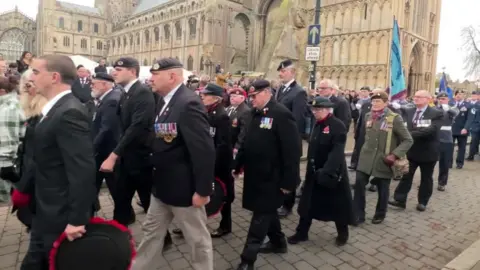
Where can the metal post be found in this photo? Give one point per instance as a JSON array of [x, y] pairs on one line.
[[313, 64]]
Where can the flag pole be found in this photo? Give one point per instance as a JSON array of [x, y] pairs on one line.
[[389, 55]]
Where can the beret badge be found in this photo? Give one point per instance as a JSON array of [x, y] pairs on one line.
[[120, 63], [156, 66]]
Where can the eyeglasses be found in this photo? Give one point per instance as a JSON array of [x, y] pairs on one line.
[[28, 86]]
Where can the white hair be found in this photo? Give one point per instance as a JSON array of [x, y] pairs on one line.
[[330, 83]]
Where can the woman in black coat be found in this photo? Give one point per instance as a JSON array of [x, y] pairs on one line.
[[327, 195]]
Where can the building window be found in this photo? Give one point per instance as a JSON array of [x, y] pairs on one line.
[[156, 33], [145, 62], [83, 43], [192, 23], [138, 39], [190, 63], [154, 61], [124, 41], [178, 30], [166, 29], [113, 44], [80, 26], [61, 23], [95, 28], [66, 41], [131, 40], [147, 37], [55, 40], [99, 45]]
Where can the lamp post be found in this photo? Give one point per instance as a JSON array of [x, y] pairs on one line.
[[313, 64]]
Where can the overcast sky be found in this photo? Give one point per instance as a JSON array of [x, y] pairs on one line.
[[456, 14]]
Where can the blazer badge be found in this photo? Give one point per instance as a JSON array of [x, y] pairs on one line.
[[166, 131], [266, 123]]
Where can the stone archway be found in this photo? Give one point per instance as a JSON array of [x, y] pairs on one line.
[[274, 15], [414, 82], [13, 42], [240, 43]]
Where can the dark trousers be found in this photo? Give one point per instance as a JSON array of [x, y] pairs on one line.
[[109, 179], [305, 223], [474, 144], [426, 182], [38, 250], [356, 152], [226, 221], [129, 181], [262, 225], [445, 162], [359, 201], [462, 145]]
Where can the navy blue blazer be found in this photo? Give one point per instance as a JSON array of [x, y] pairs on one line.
[[106, 129], [460, 121]]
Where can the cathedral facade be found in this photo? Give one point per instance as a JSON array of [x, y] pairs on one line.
[[249, 35]]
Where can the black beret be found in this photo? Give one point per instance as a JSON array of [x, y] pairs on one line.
[[284, 64], [213, 89], [321, 102], [442, 94], [105, 245], [126, 62], [103, 76], [475, 92], [365, 88], [258, 86], [165, 64], [380, 95]]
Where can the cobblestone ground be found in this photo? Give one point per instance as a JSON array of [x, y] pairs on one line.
[[406, 240]]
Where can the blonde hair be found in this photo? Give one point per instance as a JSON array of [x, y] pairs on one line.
[[32, 106]]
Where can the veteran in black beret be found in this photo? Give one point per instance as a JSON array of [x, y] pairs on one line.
[[106, 129], [292, 96], [326, 195], [269, 172], [136, 110], [183, 158]]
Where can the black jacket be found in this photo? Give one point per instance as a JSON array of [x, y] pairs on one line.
[[106, 125], [136, 110], [270, 156], [183, 150], [65, 167]]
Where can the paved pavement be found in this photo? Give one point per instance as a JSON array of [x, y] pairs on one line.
[[406, 240]]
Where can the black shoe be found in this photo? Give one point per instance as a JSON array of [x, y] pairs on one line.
[[219, 233], [268, 248], [341, 240], [377, 220], [177, 231], [469, 158], [421, 207], [441, 188], [167, 242], [397, 204], [459, 166], [352, 167], [358, 222], [372, 188], [284, 212], [245, 266], [296, 238]]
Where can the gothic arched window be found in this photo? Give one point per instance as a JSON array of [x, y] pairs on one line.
[[192, 23], [178, 30], [166, 30], [61, 23]]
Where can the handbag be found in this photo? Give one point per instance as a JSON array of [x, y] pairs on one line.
[[327, 180], [401, 165], [217, 198]]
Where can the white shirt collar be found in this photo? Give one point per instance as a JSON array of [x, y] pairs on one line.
[[49, 105], [169, 96], [129, 85], [289, 83], [105, 94]]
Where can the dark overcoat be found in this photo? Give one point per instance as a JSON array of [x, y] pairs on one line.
[[222, 140], [270, 156], [326, 158]]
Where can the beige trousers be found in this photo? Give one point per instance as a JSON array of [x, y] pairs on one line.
[[193, 223]]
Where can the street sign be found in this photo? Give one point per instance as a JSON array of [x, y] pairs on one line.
[[312, 53], [314, 35]]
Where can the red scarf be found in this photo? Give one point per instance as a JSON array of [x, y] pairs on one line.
[[377, 114], [211, 108]]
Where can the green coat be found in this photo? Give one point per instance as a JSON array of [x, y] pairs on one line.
[[373, 150]]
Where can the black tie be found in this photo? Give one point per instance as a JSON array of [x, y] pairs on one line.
[[417, 116]]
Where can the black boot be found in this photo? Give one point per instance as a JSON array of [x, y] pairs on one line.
[[245, 266], [268, 248]]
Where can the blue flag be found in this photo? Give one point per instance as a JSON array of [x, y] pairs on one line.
[[443, 87], [397, 82]]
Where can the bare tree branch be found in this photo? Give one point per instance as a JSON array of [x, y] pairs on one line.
[[471, 47]]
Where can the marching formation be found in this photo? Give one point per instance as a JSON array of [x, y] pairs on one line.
[[181, 145]]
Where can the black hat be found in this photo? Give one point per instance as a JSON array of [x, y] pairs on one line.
[[103, 77], [213, 89], [165, 64], [258, 86], [126, 62], [367, 88], [321, 102], [285, 64], [442, 94], [475, 92], [105, 245], [380, 95]]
